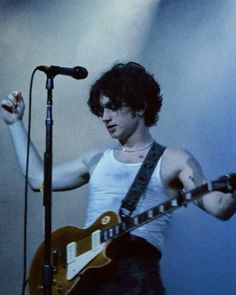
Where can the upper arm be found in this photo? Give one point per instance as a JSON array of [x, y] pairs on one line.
[[190, 173], [180, 170], [191, 176], [70, 175], [77, 172]]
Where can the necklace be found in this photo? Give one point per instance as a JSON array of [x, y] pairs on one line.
[[126, 149]]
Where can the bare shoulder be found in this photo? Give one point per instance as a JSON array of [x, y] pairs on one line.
[[91, 157], [177, 160], [176, 156]]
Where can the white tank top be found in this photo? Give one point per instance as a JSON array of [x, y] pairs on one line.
[[109, 183]]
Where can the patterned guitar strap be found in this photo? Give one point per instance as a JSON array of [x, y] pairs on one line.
[[141, 181]]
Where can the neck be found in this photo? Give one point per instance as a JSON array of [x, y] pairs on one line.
[[137, 140]]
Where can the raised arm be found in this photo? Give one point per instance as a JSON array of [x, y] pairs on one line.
[[66, 176], [221, 205]]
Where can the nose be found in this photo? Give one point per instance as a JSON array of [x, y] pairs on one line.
[[106, 116]]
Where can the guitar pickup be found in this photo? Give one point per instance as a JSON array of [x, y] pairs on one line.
[[96, 241], [71, 252]]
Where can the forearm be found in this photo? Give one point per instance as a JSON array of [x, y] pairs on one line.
[[19, 139], [221, 205]]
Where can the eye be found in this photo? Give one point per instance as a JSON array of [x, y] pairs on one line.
[[112, 107], [100, 112]]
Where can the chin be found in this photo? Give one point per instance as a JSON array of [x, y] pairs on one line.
[[114, 136], [118, 135]]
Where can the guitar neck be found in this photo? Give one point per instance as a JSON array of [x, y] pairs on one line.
[[182, 199]]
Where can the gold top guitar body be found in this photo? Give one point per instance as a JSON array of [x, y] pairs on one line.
[[68, 244]]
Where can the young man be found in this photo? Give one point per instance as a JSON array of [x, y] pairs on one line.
[[128, 100]]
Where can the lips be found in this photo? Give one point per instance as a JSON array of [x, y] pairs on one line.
[[111, 128]]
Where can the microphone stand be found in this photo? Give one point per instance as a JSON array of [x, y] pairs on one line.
[[47, 201]]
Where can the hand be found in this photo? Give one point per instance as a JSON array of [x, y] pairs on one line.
[[12, 107]]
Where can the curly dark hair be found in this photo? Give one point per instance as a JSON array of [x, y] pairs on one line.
[[131, 85]]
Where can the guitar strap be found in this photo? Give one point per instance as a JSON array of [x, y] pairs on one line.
[[141, 180]]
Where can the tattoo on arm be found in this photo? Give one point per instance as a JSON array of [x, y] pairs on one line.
[[191, 178], [197, 176]]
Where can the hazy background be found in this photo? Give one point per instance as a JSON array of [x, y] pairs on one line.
[[189, 46]]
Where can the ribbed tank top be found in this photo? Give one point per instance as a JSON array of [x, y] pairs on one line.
[[109, 183]]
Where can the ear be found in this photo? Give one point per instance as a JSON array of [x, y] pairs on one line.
[[141, 111]]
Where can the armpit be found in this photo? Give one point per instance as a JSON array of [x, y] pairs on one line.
[[93, 161]]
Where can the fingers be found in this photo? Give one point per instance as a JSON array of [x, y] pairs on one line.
[[7, 108], [17, 96], [13, 102], [10, 104]]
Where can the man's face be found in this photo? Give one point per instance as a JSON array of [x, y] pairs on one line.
[[121, 123]]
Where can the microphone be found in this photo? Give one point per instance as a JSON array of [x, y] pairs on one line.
[[76, 72]]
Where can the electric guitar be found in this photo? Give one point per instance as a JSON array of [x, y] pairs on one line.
[[76, 250]]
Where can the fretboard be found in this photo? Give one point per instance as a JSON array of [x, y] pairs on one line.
[[131, 223]]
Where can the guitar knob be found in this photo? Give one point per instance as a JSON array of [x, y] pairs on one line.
[[105, 220]]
